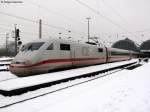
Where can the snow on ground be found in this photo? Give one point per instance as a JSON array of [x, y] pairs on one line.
[[125, 91], [5, 62], [6, 75], [3, 67]]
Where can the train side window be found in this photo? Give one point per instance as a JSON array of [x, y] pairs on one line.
[[100, 49], [65, 47], [50, 47]]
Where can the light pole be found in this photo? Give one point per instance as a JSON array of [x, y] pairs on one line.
[[15, 40], [7, 36], [88, 18], [40, 28]]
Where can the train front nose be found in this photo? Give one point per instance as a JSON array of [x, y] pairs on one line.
[[20, 67]]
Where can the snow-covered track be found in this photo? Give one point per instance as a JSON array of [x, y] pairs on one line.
[[6, 59], [4, 68], [22, 85], [4, 63]]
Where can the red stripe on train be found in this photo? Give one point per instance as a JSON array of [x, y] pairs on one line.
[[59, 60], [55, 61]]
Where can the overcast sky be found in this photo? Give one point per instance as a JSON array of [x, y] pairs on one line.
[[111, 20]]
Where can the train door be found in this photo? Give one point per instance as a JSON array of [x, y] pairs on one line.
[[109, 55], [72, 53], [106, 54], [65, 55], [130, 56]]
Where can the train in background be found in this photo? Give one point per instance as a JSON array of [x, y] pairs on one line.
[[43, 56]]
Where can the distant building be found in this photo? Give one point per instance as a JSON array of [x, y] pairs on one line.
[[145, 48], [126, 44]]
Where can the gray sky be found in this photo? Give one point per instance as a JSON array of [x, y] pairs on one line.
[[127, 18]]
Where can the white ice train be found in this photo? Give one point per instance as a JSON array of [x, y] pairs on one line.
[[42, 56]]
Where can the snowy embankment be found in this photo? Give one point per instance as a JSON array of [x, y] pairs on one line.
[[125, 91]]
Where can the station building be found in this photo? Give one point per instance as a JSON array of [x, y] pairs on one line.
[[145, 48], [126, 44]]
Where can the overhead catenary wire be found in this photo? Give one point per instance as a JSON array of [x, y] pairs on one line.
[[114, 10], [105, 17], [18, 17], [29, 20], [54, 12], [61, 28], [45, 24], [26, 32], [60, 14], [21, 32], [99, 14], [5, 29]]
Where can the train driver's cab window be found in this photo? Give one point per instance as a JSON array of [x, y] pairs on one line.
[[35, 46], [100, 49], [65, 47], [50, 47], [32, 46]]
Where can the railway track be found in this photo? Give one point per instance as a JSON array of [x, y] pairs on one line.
[[4, 64], [6, 59], [4, 69], [89, 77]]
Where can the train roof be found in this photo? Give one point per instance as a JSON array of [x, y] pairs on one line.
[[81, 43], [117, 49], [65, 41]]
